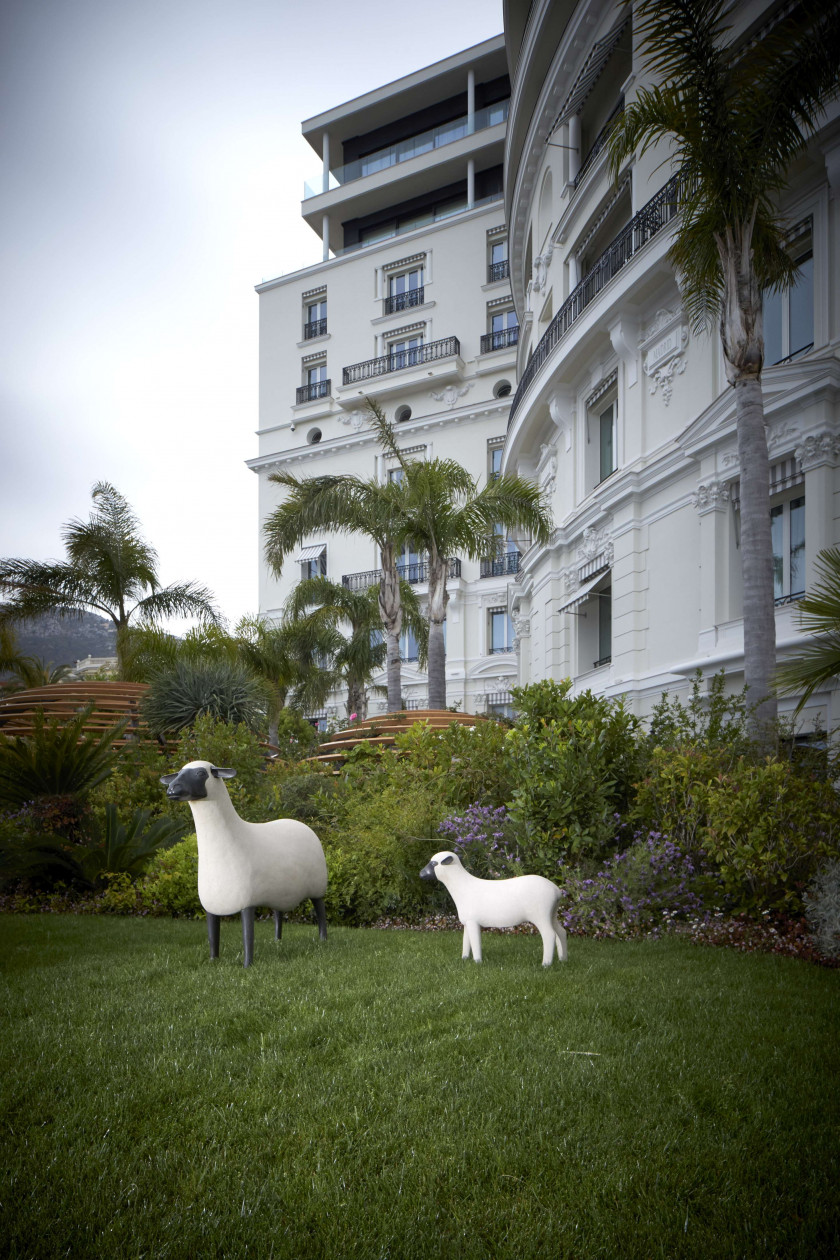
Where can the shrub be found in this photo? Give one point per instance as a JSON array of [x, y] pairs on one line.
[[127, 845], [462, 764], [186, 690], [485, 841], [822, 908], [230, 744], [295, 737], [170, 885], [714, 720]]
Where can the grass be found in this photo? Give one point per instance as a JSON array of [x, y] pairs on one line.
[[376, 1097]]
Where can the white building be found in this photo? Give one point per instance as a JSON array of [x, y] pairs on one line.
[[621, 413], [411, 304]]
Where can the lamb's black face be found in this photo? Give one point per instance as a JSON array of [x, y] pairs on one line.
[[429, 873], [186, 785]]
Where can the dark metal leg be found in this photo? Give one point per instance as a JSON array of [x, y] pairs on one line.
[[213, 924], [321, 915], [278, 924], [248, 934]]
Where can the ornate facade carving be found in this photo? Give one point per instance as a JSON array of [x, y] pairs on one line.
[[547, 468], [540, 271], [664, 341], [450, 395], [711, 496], [596, 542], [817, 449], [354, 418]]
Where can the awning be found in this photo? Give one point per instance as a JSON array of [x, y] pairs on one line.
[[582, 593], [784, 475], [311, 553], [592, 70]]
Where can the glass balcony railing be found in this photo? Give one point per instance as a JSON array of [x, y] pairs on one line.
[[403, 150]]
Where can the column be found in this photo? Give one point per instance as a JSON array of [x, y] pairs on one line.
[[470, 183], [819, 455], [325, 234], [326, 178]]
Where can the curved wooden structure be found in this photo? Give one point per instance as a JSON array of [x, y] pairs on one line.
[[381, 731], [112, 702]]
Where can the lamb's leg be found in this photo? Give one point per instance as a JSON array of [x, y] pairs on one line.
[[248, 934], [213, 925], [560, 933], [465, 952], [321, 915], [549, 940], [278, 924], [474, 930]]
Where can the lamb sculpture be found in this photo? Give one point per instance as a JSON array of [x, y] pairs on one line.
[[499, 903], [242, 865]]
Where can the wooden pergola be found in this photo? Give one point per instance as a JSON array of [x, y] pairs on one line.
[[381, 732], [112, 702]]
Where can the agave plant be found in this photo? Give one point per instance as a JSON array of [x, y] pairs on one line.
[[224, 689]]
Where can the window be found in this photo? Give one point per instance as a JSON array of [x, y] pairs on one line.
[[606, 442], [408, 646], [405, 352], [787, 532], [504, 329], [789, 315], [410, 562], [313, 561], [315, 319], [315, 383], [316, 374], [405, 290], [396, 475], [500, 631], [497, 268], [494, 460]]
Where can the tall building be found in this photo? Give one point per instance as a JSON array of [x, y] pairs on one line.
[[621, 413], [411, 304]]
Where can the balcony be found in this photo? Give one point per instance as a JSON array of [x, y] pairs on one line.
[[495, 651], [413, 146], [498, 271], [501, 566], [309, 393], [414, 573], [499, 340], [403, 301], [659, 212], [315, 328], [598, 144], [433, 350]]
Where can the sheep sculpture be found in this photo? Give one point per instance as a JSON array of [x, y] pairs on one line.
[[242, 865], [499, 903]]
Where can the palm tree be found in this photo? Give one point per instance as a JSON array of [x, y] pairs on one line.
[[818, 663], [326, 607], [289, 661], [110, 569], [734, 116], [349, 505], [448, 514]]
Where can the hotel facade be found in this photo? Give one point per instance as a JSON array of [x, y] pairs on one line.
[[512, 306]]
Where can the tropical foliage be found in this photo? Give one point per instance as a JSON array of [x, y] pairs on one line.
[[732, 116], [110, 569], [817, 663]]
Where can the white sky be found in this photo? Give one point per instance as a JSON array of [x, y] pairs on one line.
[[152, 168]]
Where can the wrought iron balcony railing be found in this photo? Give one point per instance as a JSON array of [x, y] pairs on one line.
[[402, 301], [427, 353], [314, 328], [494, 651], [498, 271], [605, 660], [414, 573], [651, 219], [501, 566], [498, 340], [308, 393]]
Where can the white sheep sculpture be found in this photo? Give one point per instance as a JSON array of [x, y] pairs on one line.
[[499, 903], [242, 865]]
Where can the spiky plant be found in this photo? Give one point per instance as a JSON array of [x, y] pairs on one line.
[[56, 760], [817, 663], [224, 689]]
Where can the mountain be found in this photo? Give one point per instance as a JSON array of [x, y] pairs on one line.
[[63, 641]]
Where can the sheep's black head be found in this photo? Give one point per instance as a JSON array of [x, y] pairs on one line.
[[429, 872], [190, 783]]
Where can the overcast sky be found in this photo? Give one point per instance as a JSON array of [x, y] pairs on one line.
[[152, 168]]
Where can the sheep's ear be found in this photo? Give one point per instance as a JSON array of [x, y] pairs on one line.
[[447, 861], [220, 772], [169, 778]]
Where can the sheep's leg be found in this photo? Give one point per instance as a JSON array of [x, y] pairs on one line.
[[213, 924], [321, 915], [248, 934], [560, 933], [465, 952], [278, 924], [474, 931], [549, 940]]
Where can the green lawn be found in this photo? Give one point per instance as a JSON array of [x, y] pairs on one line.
[[376, 1097]]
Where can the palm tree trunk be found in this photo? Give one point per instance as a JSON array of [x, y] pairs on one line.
[[756, 551], [390, 610], [437, 647]]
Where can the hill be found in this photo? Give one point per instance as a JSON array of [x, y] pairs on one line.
[[63, 641]]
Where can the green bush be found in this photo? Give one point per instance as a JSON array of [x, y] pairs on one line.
[[229, 744], [763, 825], [185, 690], [170, 885], [460, 764]]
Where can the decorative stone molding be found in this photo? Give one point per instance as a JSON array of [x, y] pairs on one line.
[[596, 542], [540, 272], [547, 468], [712, 496], [818, 449], [624, 336], [570, 578], [521, 625], [450, 395], [354, 418], [783, 433], [562, 411], [664, 342]]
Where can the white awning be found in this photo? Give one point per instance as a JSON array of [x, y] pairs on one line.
[[784, 475], [311, 553], [582, 593]]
